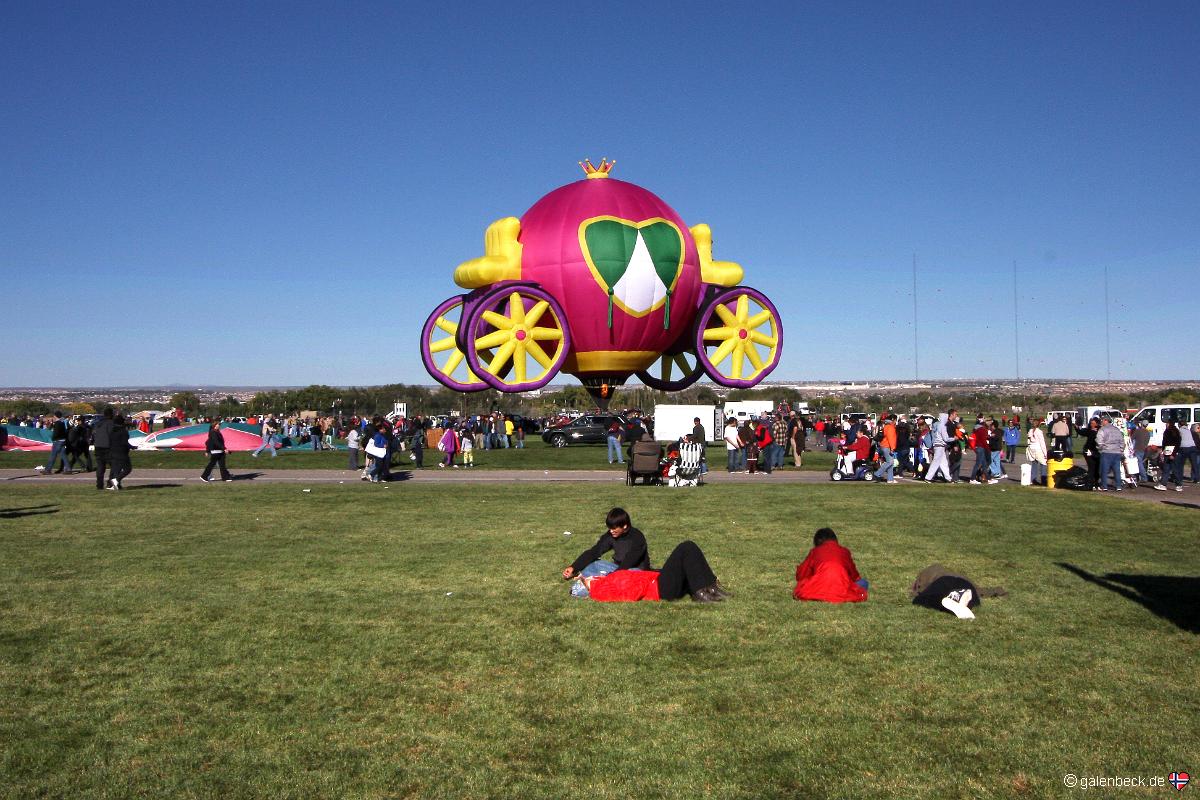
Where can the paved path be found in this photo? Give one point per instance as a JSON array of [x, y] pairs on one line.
[[1188, 498]]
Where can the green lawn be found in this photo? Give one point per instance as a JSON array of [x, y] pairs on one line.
[[535, 455], [415, 641]]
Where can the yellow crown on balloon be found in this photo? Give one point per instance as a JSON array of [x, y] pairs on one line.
[[592, 171]]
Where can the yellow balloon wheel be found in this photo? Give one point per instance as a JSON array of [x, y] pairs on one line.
[[740, 336], [440, 352], [517, 339]]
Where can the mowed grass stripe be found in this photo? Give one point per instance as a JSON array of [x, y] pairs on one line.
[[259, 640]]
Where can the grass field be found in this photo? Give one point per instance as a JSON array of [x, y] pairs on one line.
[[416, 641], [535, 455]]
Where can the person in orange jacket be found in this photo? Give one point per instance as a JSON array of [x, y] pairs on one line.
[[887, 449]]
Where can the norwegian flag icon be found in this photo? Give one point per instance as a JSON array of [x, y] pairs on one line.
[[1179, 780]]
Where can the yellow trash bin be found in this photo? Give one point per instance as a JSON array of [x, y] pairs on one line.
[[1056, 465]]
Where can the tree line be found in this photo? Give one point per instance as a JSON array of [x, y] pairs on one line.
[[371, 400]]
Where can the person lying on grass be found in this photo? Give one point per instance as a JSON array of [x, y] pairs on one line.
[[685, 572], [940, 589], [828, 573]]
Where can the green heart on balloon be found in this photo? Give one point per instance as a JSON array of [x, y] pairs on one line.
[[637, 263]]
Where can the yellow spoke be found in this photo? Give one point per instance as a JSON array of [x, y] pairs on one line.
[[667, 363], [682, 363], [743, 308], [755, 358], [516, 309], [713, 334], [502, 356], [519, 363], [497, 320], [447, 325], [737, 362], [534, 314], [442, 345], [452, 363], [762, 338], [534, 349], [724, 350], [493, 339], [546, 334], [758, 319], [726, 315]]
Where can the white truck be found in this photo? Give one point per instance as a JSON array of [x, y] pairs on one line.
[[742, 410], [672, 422]]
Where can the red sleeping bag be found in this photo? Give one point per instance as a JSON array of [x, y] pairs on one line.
[[829, 574], [625, 586]]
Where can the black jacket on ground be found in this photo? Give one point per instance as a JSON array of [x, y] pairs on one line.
[[629, 551]]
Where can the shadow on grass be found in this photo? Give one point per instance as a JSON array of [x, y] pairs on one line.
[[137, 486], [28, 511], [1175, 598], [1181, 505]]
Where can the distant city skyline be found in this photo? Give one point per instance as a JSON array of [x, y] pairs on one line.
[[228, 194]]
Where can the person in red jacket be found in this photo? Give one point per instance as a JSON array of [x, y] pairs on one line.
[[828, 573], [762, 437]]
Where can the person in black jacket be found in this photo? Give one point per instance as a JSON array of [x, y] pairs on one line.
[[77, 445], [101, 437], [627, 543], [58, 444], [215, 447], [1172, 461], [118, 452], [1091, 452]]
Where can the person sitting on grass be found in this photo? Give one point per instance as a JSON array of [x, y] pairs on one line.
[[828, 573], [685, 572]]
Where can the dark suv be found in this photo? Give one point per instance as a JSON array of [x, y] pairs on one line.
[[588, 429]]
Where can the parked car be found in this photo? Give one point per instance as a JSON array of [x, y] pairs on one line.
[[588, 429]]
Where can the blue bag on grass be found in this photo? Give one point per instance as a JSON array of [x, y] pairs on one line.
[[592, 570]]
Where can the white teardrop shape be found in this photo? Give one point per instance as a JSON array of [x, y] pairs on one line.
[[640, 288]]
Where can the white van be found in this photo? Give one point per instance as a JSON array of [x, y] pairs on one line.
[[1156, 418]]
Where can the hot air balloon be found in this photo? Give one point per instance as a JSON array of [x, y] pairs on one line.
[[602, 280]]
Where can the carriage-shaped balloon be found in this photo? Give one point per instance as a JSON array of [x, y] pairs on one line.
[[600, 279]]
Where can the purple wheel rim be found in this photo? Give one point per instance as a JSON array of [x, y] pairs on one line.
[[427, 357], [706, 314], [530, 295]]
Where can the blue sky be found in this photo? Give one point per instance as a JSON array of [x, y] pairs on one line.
[[260, 193]]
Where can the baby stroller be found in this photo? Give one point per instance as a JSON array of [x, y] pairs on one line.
[[644, 457], [686, 465], [863, 470], [1154, 464]]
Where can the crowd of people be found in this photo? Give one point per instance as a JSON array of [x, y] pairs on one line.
[[1117, 453], [76, 441], [761, 446]]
